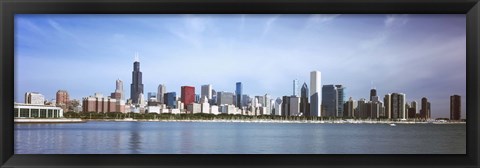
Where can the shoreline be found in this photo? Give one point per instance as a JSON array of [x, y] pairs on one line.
[[77, 120], [278, 121]]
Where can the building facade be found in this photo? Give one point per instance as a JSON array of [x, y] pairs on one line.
[[22, 110], [34, 98], [136, 87], [315, 93], [187, 95], [455, 107]]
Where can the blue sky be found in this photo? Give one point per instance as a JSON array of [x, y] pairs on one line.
[[419, 55]]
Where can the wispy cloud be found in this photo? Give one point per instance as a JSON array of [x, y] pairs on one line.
[[66, 33], [268, 25], [395, 20]]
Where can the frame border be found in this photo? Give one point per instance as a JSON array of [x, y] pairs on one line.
[[9, 8]]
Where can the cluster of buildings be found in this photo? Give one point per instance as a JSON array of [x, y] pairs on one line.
[[316, 101]]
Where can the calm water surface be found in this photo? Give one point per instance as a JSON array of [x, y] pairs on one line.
[[238, 138]]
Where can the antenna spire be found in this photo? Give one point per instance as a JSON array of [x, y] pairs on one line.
[[136, 57]]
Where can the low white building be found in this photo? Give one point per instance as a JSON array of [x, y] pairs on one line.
[[205, 108], [36, 111], [153, 109], [214, 110]]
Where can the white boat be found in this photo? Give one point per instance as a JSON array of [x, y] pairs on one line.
[[393, 125]]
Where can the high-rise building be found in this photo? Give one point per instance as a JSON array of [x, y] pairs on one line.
[[62, 98], [206, 91], [294, 105], [245, 100], [161, 90], [267, 105], [225, 98], [285, 108], [278, 107], [118, 94], [455, 107], [373, 95], [169, 99], [425, 110], [187, 95], [98, 103], [295, 88], [119, 88], [398, 106], [238, 94], [315, 93], [340, 99], [151, 95], [34, 98], [197, 98], [361, 111], [388, 105], [136, 87], [332, 100], [304, 105], [349, 108]]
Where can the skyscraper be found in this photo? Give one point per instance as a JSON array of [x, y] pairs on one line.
[[119, 88], [304, 105], [161, 90], [329, 100], [455, 107], [206, 91], [398, 106], [187, 95], [425, 110], [136, 87], [332, 100], [225, 98], [349, 108], [170, 99], [388, 105], [278, 106], [238, 94], [373, 95], [295, 88], [315, 93]]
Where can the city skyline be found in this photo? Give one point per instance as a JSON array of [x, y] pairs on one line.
[[443, 47]]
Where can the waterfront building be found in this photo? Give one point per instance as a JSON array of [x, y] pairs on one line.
[[375, 109], [388, 106], [349, 108], [315, 93], [161, 90], [398, 106], [455, 107], [225, 98], [361, 111], [285, 106], [205, 106], [238, 94], [294, 106], [194, 108], [214, 110], [153, 109], [98, 103], [278, 107], [136, 87], [22, 110], [214, 97], [425, 110], [187, 95], [62, 98], [34, 98], [304, 105], [169, 99], [206, 91], [245, 100], [332, 100], [267, 105], [197, 98]]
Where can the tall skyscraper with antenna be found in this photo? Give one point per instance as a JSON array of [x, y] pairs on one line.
[[136, 87]]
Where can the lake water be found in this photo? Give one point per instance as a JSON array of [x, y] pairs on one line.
[[238, 138]]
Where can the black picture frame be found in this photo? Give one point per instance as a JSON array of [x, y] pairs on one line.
[[8, 8]]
